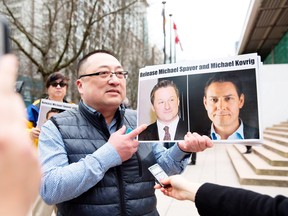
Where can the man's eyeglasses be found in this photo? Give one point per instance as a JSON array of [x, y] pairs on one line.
[[106, 74], [61, 84]]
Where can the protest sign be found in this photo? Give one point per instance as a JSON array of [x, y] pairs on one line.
[[194, 110], [49, 108]]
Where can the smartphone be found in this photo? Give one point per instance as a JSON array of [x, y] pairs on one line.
[[158, 173], [4, 36]]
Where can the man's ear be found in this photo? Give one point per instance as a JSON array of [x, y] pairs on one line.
[[152, 107], [205, 102], [241, 101], [79, 85]]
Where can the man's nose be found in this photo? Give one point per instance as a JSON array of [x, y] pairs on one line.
[[167, 105], [220, 104], [114, 79]]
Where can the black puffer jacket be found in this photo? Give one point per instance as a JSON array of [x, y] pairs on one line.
[[126, 189]]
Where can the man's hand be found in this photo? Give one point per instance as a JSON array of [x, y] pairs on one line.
[[35, 132], [19, 166], [193, 142], [125, 144]]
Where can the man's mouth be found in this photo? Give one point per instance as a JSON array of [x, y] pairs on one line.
[[221, 114], [113, 91]]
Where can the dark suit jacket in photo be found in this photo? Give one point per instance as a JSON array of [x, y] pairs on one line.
[[151, 132], [250, 132]]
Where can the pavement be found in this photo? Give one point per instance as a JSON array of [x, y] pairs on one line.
[[213, 165]]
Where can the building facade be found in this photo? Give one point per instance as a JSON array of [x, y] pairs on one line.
[[55, 34], [265, 31]]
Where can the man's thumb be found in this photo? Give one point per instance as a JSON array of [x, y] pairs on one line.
[[122, 129]]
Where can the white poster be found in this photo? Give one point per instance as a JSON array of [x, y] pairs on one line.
[[217, 97], [48, 108]]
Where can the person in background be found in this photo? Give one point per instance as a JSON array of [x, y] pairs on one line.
[[216, 200], [193, 158], [91, 161], [56, 87], [19, 167], [223, 99]]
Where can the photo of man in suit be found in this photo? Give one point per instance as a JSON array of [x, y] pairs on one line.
[[165, 101], [223, 100]]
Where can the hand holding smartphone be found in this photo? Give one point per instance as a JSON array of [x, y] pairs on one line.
[[159, 174]]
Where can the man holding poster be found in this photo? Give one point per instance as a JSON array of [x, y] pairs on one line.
[[92, 163]]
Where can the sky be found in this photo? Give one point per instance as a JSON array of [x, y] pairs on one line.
[[206, 28]]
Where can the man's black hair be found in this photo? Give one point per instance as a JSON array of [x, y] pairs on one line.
[[85, 57], [225, 77]]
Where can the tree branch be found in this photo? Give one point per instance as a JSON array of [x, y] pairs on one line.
[[21, 28], [69, 30], [37, 64]]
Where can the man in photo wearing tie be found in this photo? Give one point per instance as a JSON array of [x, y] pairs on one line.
[[165, 103]]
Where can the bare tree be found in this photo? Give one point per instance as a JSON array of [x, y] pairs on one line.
[[53, 42], [54, 33]]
